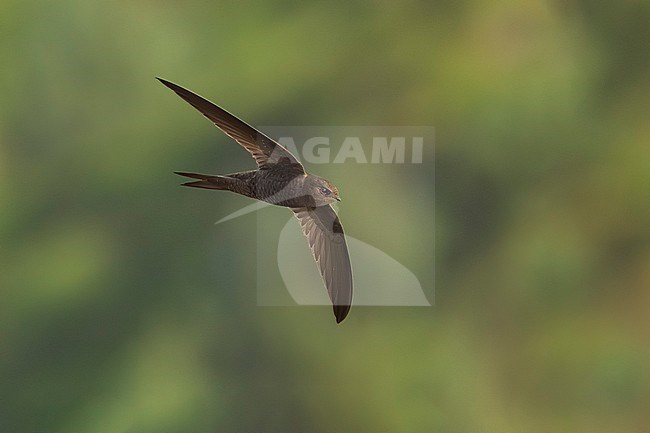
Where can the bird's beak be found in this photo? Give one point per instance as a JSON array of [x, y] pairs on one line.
[[338, 198]]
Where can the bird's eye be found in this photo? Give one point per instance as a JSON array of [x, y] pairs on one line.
[[324, 190]]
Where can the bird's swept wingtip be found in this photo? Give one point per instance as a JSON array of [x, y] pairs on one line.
[[341, 312], [166, 83]]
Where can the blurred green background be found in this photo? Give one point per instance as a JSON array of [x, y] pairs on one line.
[[123, 308]]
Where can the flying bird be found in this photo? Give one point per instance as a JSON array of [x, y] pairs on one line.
[[281, 179]]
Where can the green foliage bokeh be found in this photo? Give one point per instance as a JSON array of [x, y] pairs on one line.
[[123, 308]]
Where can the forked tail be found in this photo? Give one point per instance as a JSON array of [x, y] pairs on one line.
[[210, 182]]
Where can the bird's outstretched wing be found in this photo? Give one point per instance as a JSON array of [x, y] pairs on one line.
[[325, 235], [265, 151]]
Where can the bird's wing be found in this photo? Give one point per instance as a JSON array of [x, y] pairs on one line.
[[325, 235], [265, 151]]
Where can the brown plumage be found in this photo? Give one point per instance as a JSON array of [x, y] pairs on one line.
[[281, 180]]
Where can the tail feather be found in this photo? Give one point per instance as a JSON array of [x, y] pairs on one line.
[[208, 181]]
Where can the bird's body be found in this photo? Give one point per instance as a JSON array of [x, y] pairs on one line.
[[284, 186], [282, 180]]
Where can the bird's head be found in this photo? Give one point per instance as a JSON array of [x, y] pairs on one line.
[[322, 190]]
